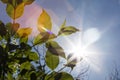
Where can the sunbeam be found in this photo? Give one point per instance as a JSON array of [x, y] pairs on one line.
[[84, 48]]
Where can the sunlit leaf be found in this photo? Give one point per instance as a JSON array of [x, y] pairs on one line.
[[33, 56], [55, 48], [13, 66], [24, 39], [25, 65], [24, 32], [67, 30], [44, 22], [28, 2], [3, 30], [63, 25], [43, 37], [15, 12], [52, 61]]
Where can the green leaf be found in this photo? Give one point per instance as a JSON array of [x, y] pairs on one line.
[[50, 76], [63, 76], [9, 76], [24, 39], [52, 61], [67, 30], [33, 56], [55, 48], [63, 25], [0, 38], [25, 65], [3, 30], [28, 2], [43, 37], [59, 76], [15, 12], [44, 22]]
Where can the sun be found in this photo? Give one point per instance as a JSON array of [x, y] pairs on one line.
[[84, 48]]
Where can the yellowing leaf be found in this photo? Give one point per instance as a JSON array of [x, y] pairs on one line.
[[44, 22], [23, 32], [15, 12]]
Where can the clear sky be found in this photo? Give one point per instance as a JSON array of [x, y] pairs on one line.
[[99, 18]]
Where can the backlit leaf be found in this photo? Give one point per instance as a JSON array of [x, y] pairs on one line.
[[33, 56], [44, 22], [67, 30], [55, 48], [15, 12], [24, 32], [28, 2], [24, 39], [63, 25], [25, 65], [43, 37], [52, 61]]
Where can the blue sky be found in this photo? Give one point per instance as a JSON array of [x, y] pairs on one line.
[[101, 15]]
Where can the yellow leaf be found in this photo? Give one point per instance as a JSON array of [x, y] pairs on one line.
[[15, 12], [23, 32], [44, 22]]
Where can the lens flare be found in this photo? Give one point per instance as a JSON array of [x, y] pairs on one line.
[[84, 48]]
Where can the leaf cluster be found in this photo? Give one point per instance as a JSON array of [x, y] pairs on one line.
[[19, 57]]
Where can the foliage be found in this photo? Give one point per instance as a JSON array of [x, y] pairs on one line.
[[20, 59]]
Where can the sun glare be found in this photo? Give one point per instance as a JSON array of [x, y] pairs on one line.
[[84, 48]]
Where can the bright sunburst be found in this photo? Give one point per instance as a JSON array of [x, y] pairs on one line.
[[84, 48]]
